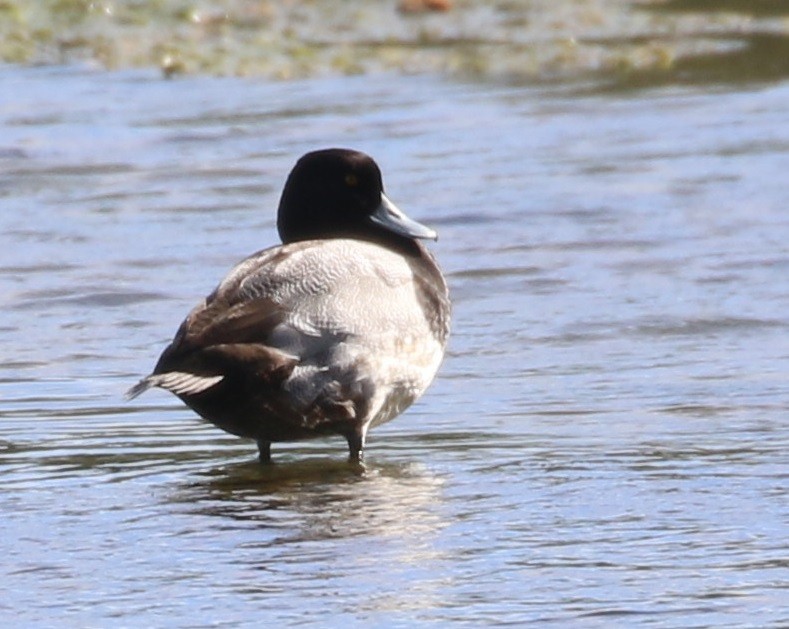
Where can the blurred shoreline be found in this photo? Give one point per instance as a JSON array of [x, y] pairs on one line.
[[616, 44]]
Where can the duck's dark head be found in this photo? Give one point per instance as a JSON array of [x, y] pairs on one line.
[[338, 193]]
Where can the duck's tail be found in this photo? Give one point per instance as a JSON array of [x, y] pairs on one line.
[[178, 382], [141, 387]]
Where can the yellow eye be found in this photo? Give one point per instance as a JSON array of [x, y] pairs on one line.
[[351, 180]]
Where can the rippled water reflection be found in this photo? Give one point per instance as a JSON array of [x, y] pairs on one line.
[[605, 444]]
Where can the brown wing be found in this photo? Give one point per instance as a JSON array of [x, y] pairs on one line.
[[218, 335]]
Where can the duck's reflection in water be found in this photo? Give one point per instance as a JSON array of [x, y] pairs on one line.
[[292, 534], [320, 498]]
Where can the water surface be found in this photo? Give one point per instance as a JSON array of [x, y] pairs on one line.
[[605, 444]]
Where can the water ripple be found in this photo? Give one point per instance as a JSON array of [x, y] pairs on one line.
[[605, 443]]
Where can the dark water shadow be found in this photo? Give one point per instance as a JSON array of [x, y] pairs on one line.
[[739, 55], [754, 8], [743, 58]]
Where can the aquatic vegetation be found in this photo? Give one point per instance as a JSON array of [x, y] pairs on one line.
[[619, 41]]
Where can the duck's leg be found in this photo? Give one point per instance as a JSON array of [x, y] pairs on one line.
[[356, 441], [264, 451]]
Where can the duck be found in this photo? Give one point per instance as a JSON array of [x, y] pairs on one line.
[[335, 331]]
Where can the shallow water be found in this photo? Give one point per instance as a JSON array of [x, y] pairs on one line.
[[605, 445]]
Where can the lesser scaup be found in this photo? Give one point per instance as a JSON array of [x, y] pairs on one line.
[[337, 330]]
